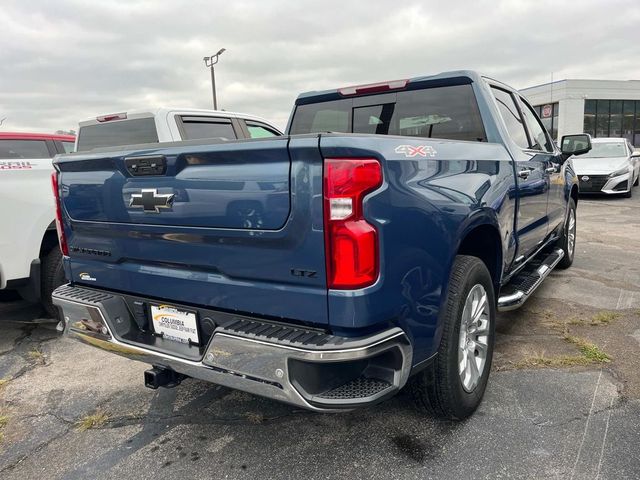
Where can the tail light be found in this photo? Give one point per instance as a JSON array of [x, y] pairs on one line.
[[56, 193], [351, 243]]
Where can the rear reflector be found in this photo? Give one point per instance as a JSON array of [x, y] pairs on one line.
[[62, 239], [113, 116], [351, 243], [373, 88]]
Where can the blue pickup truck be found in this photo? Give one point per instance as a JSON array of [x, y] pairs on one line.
[[368, 249]]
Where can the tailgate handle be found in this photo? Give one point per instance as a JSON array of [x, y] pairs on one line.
[[147, 165]]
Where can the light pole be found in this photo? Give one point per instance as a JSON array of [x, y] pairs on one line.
[[209, 62]]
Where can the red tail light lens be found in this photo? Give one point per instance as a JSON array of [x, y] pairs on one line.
[[351, 243], [56, 193]]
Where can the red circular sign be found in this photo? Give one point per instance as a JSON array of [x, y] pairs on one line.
[[546, 111]]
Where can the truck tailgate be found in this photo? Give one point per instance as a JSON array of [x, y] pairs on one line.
[[235, 226]]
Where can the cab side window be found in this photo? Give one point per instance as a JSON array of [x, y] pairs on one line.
[[511, 117], [539, 138]]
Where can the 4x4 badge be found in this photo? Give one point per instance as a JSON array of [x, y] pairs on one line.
[[411, 151], [151, 201]]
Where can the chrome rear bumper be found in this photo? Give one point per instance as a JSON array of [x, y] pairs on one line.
[[306, 368]]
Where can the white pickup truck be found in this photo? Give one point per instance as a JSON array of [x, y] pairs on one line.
[[29, 263], [30, 260], [169, 125]]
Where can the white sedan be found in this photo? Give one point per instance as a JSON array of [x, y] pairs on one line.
[[610, 167]]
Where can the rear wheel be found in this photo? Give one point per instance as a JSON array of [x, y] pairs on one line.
[[567, 242], [51, 276], [453, 385]]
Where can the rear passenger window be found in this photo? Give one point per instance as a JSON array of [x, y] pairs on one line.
[[68, 147], [24, 149], [202, 127], [259, 131], [511, 117]]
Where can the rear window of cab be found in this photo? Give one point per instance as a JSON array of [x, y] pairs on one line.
[[448, 112]]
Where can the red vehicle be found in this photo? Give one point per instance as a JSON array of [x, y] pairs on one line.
[[30, 260]]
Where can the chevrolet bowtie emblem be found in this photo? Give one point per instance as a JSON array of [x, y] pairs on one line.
[[151, 201]]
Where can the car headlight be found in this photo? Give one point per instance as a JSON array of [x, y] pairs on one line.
[[622, 171]]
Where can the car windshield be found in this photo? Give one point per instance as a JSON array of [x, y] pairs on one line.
[[606, 149]]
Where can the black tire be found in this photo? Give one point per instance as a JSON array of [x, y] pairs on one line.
[[563, 241], [438, 389], [635, 184], [51, 277], [629, 194]]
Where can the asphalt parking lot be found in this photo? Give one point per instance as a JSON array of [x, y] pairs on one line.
[[563, 400]]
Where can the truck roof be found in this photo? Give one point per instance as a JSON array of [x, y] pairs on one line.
[[164, 111], [380, 87], [36, 136]]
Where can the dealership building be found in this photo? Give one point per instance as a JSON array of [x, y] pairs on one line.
[[602, 108]]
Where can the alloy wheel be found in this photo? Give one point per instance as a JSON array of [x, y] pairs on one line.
[[571, 232], [473, 343]]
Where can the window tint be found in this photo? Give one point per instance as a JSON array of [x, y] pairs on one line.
[[331, 116], [111, 134], [511, 117], [24, 149], [68, 146], [539, 139], [259, 131], [373, 119], [207, 129], [449, 112], [443, 112]]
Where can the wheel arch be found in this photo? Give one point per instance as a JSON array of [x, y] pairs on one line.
[[574, 194], [49, 239], [484, 242]]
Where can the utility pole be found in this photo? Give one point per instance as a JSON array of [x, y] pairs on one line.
[[209, 62]]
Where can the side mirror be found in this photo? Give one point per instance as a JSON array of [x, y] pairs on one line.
[[635, 154], [575, 144]]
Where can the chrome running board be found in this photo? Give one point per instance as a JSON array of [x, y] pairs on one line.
[[520, 287]]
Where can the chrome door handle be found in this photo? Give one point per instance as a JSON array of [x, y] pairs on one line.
[[524, 173], [550, 170]]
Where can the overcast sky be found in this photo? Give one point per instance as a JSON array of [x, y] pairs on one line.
[[64, 61]]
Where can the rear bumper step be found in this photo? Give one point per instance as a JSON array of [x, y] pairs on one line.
[[306, 368], [520, 288]]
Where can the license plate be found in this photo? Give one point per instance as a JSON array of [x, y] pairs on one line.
[[175, 324]]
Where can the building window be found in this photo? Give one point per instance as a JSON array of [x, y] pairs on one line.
[[613, 118], [548, 113]]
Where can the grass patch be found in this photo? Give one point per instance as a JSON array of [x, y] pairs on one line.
[[4, 419], [540, 361], [36, 356], [3, 382], [253, 417], [589, 350], [95, 420], [604, 318]]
